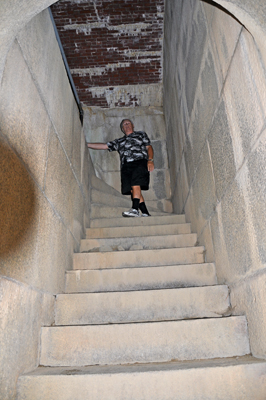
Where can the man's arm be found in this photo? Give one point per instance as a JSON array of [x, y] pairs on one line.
[[97, 146], [150, 158]]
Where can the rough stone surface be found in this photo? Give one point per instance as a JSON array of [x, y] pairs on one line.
[[19, 96], [205, 239], [100, 211], [37, 110], [103, 249], [23, 311], [97, 197], [235, 229], [148, 242], [164, 219], [214, 99], [256, 193], [15, 15], [57, 86], [115, 232], [140, 278], [59, 187], [139, 258], [17, 200], [244, 377], [225, 34], [144, 342], [222, 151], [204, 197], [248, 297], [195, 47], [149, 305], [246, 111], [206, 99]]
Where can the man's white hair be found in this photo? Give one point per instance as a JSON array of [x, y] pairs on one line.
[[122, 122]]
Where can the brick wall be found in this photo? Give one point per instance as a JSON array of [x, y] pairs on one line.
[[110, 43]]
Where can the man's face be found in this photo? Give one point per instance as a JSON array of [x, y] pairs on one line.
[[128, 127]]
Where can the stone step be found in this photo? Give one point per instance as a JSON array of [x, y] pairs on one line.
[[102, 211], [136, 231], [167, 219], [123, 279], [101, 186], [138, 243], [140, 306], [139, 258], [162, 205], [144, 342], [108, 199], [242, 378]]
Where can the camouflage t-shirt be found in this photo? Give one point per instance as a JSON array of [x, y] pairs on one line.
[[131, 147]]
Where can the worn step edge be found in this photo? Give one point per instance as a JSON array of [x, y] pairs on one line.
[[241, 378], [108, 198], [146, 242], [139, 258], [142, 306], [99, 211], [168, 219], [102, 186], [144, 342], [133, 231], [144, 278]]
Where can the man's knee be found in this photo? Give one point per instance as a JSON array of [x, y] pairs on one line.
[[136, 191]]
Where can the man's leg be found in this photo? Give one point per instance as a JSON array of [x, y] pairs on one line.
[[139, 174], [136, 195], [138, 201]]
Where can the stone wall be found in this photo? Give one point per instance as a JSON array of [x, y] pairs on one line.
[[104, 125], [215, 111], [43, 193], [114, 49]]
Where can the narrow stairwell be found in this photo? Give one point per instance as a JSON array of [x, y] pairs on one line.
[[142, 318]]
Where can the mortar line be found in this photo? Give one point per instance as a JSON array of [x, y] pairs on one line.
[[247, 277], [27, 286], [51, 119], [211, 123]]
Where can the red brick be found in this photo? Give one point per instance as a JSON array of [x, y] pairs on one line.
[[91, 50]]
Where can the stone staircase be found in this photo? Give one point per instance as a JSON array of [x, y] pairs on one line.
[[142, 318]]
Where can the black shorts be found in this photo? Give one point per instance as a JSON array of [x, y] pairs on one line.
[[134, 173]]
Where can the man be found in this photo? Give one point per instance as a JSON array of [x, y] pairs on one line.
[[136, 159]]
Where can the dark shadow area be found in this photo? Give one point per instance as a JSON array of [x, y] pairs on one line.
[[17, 200]]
